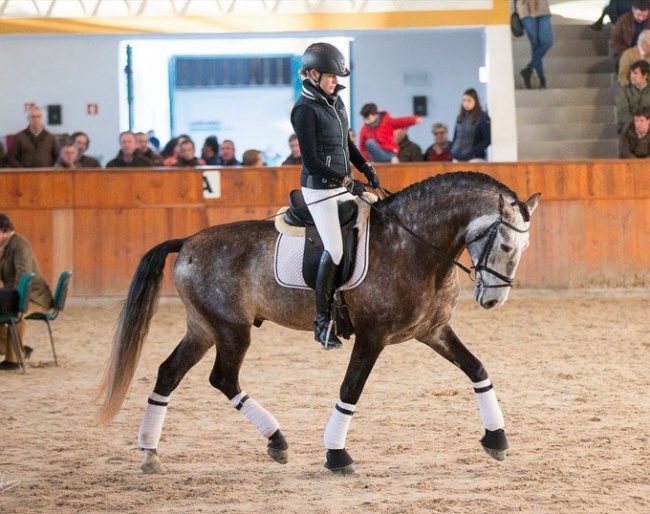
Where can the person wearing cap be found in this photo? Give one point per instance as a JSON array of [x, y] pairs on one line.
[[320, 122]]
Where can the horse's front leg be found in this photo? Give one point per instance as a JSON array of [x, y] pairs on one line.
[[448, 345], [364, 356]]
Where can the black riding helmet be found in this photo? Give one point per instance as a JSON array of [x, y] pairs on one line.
[[324, 58]]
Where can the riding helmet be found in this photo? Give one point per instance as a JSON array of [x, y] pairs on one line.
[[325, 58]]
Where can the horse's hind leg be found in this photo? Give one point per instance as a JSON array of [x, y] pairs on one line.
[[170, 374], [234, 341], [448, 345]]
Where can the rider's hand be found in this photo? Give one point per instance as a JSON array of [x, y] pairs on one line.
[[371, 174], [355, 187]]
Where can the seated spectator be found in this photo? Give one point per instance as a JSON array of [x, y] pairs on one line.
[[635, 94], [82, 142], [472, 133], [634, 141], [17, 258], [210, 151], [408, 150], [67, 156], [171, 146], [295, 157], [628, 27], [33, 147], [146, 151], [253, 158], [614, 9], [376, 140], [186, 157], [440, 150], [128, 156], [227, 154], [172, 159], [640, 52]]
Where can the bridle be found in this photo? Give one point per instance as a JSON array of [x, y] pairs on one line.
[[481, 264]]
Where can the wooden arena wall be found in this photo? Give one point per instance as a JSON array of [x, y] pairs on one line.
[[592, 228]]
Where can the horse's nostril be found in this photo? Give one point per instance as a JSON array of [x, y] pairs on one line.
[[490, 304]]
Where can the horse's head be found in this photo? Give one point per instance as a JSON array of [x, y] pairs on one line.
[[495, 244]]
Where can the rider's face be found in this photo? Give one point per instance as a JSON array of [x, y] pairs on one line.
[[328, 82]]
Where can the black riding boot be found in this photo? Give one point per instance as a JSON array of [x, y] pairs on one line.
[[324, 292]]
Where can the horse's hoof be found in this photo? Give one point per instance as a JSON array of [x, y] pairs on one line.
[[151, 463], [278, 448], [495, 444], [339, 462]]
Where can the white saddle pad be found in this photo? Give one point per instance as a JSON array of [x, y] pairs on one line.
[[290, 246]]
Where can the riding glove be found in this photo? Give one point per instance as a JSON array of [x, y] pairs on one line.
[[355, 187], [371, 174]]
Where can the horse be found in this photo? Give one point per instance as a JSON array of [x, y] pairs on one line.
[[225, 278]]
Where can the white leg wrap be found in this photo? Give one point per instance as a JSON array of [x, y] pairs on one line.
[[488, 405], [261, 419], [336, 431], [152, 423]]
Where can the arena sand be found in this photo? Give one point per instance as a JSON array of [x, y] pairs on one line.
[[570, 370]]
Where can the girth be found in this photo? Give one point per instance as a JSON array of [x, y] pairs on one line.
[[298, 215]]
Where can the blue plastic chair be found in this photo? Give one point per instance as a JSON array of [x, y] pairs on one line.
[[13, 319], [58, 304]]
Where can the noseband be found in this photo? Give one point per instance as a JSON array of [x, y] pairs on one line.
[[481, 264]]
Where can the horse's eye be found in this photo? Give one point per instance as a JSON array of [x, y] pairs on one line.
[[506, 248]]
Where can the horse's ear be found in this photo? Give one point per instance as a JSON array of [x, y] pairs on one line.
[[503, 205], [533, 201]]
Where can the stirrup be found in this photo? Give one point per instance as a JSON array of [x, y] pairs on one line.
[[330, 341]]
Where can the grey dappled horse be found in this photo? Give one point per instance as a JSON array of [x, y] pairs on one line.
[[224, 276]]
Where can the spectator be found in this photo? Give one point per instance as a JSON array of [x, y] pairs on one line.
[[640, 52], [82, 142], [472, 133], [295, 157], [635, 94], [186, 157], [172, 159], [376, 139], [67, 156], [16, 259], [2, 155], [536, 19], [33, 147], [634, 141], [128, 156], [614, 9], [440, 150], [153, 140], [210, 151], [628, 27], [253, 158], [227, 154], [408, 150], [171, 146], [146, 151]]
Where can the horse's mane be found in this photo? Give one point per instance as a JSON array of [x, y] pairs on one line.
[[455, 182]]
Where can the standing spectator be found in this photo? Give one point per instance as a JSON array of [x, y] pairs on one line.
[[16, 259], [210, 151], [33, 147], [2, 155], [253, 158], [146, 151], [536, 19], [614, 10], [82, 142], [128, 156], [472, 133], [440, 150], [376, 139], [186, 157], [626, 31], [635, 136], [633, 95], [408, 150], [227, 154], [67, 156], [640, 52], [294, 157], [153, 140]]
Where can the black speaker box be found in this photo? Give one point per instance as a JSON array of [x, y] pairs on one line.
[[419, 105], [54, 115]]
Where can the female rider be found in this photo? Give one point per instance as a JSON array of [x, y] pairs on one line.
[[321, 123]]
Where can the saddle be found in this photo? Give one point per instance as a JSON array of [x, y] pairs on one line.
[[298, 215]]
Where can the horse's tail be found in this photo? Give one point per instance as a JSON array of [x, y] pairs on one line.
[[132, 328]]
